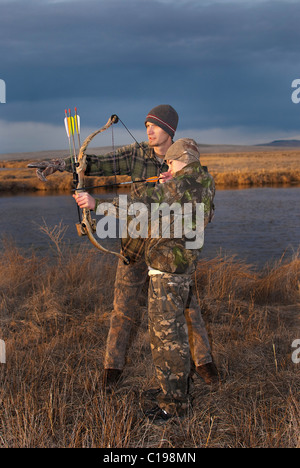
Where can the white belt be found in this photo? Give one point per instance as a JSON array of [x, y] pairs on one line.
[[153, 272]]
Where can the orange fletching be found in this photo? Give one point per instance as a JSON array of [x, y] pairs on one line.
[[152, 179]]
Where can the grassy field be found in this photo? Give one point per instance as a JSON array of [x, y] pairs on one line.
[[54, 319], [230, 170]]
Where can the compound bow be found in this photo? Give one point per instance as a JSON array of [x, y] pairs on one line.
[[87, 226]]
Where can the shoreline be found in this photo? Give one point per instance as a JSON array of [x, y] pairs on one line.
[[258, 168]]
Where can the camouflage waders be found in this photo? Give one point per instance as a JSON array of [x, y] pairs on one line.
[[167, 299], [198, 337], [128, 286], [129, 283]]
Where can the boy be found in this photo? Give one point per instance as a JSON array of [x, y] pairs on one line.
[[172, 262]]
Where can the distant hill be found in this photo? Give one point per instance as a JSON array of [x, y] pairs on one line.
[[283, 143]]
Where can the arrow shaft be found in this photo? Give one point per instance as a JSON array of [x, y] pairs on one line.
[[151, 180]]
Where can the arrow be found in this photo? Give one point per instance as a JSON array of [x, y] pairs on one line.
[[69, 126], [71, 131], [151, 180], [77, 126]]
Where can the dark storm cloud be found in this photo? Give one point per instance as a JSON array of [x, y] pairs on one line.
[[64, 33], [220, 65]]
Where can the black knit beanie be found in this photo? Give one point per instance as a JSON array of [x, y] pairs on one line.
[[165, 117]]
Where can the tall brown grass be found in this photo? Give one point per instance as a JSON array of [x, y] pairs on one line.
[[54, 320]]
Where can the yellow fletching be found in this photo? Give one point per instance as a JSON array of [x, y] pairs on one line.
[[71, 125], [76, 123]]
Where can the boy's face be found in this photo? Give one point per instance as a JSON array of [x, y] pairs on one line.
[[175, 165]]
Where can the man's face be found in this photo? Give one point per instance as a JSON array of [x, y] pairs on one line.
[[156, 135]]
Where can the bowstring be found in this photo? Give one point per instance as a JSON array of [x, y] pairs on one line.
[[139, 145], [114, 153]]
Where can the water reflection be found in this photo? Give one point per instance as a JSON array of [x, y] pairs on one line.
[[257, 225]]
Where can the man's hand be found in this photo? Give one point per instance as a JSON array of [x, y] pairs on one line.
[[85, 200], [46, 168]]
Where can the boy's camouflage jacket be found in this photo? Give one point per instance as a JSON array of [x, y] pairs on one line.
[[192, 185]]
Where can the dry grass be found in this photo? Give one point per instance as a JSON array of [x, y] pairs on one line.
[[242, 169], [261, 168], [54, 320]]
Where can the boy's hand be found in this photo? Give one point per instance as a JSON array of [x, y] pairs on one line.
[[165, 177]]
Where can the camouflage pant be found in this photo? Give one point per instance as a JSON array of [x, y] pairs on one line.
[[129, 282], [167, 299]]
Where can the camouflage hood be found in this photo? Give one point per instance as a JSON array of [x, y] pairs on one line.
[[184, 150]]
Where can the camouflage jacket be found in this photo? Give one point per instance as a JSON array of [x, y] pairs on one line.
[[136, 160], [174, 251]]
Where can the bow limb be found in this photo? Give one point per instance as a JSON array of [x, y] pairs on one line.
[[81, 161], [88, 225]]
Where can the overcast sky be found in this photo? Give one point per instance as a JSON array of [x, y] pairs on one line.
[[226, 66]]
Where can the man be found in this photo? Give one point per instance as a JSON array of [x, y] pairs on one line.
[[141, 161]]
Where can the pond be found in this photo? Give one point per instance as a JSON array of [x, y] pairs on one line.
[[257, 224]]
